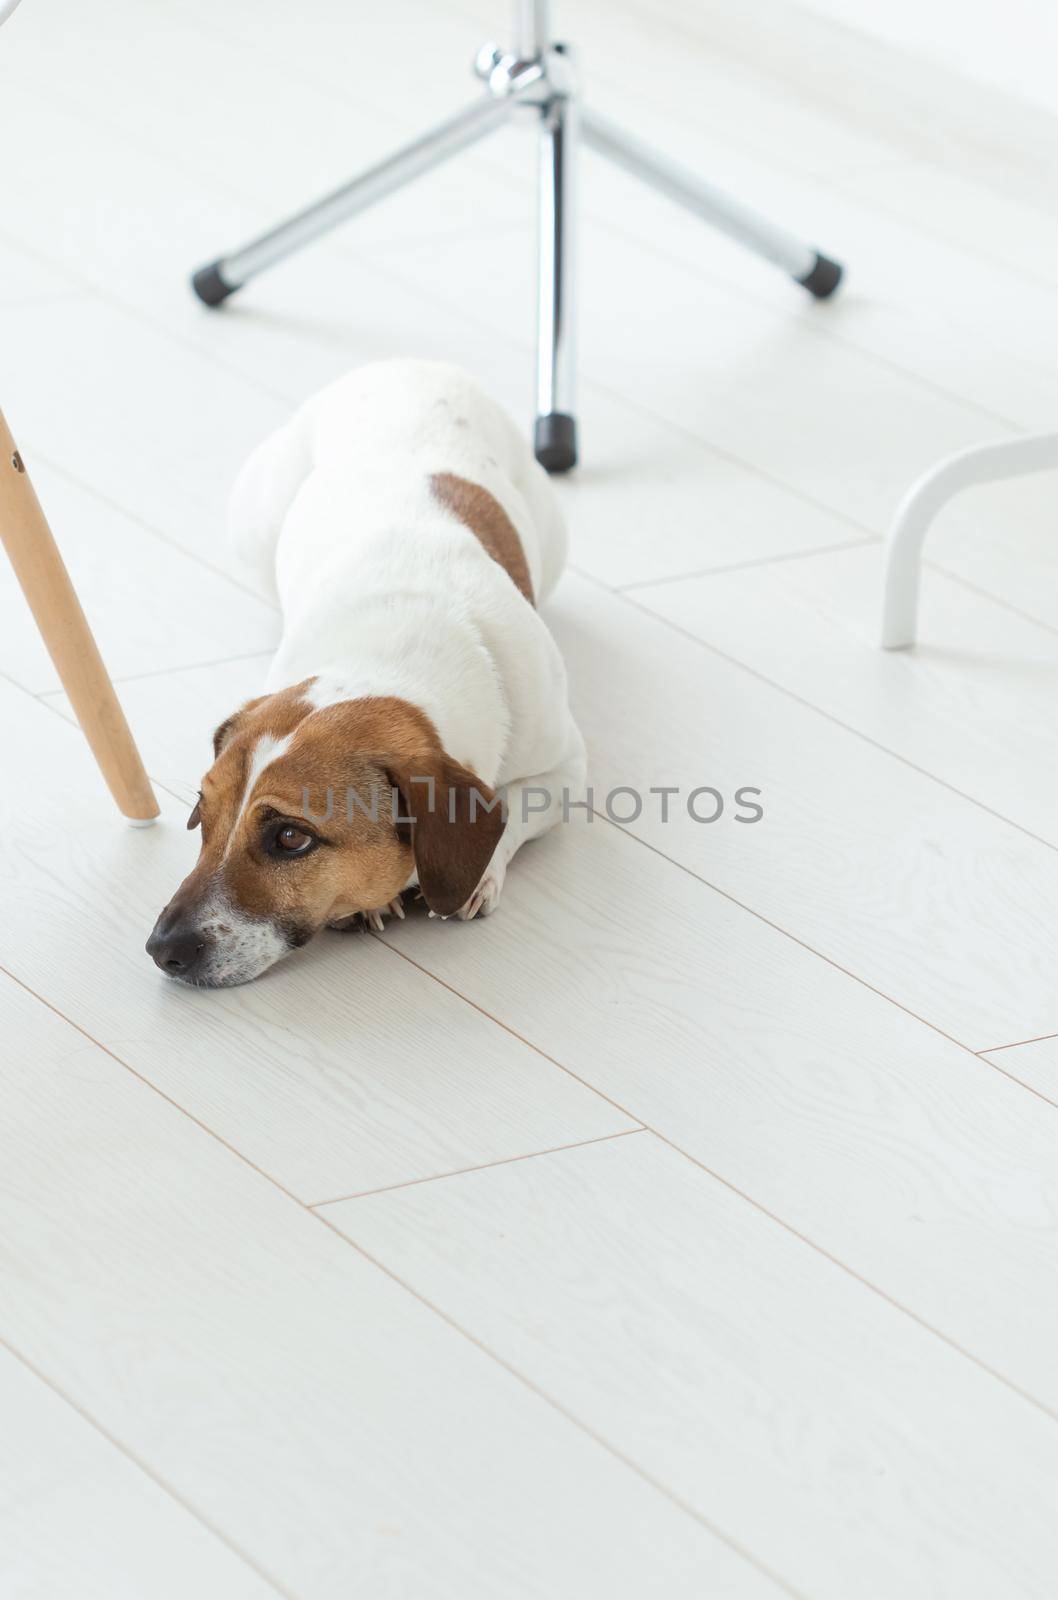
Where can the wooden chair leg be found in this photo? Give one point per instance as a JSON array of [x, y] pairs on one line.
[[53, 600]]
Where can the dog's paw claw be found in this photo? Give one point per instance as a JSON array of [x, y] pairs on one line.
[[371, 921], [375, 921], [485, 899]]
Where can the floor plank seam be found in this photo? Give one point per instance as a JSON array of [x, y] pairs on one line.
[[777, 927], [570, 1416], [204, 1127], [819, 711], [508, 1028], [94, 289], [1016, 1045], [44, 297], [818, 329], [1013, 1077], [821, 329], [898, 1305], [974, 251], [480, 1166], [935, 564], [34, 455], [643, 1126], [48, 702], [408, 1289], [780, 558], [648, 1127], [172, 671], [148, 1472]]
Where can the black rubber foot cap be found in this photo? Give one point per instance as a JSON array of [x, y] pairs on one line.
[[555, 441], [210, 287], [823, 278]]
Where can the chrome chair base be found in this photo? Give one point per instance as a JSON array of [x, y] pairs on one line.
[[539, 74]]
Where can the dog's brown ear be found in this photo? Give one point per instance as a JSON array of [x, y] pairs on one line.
[[228, 728], [222, 734], [455, 824]]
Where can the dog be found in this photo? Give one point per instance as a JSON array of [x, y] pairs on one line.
[[414, 726]]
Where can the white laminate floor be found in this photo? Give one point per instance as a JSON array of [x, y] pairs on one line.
[[689, 1228]]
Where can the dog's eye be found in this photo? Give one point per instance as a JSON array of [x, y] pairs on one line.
[[291, 841]]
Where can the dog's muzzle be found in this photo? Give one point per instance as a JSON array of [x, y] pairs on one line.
[[212, 944], [178, 947]]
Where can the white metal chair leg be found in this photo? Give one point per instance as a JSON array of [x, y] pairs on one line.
[[985, 463]]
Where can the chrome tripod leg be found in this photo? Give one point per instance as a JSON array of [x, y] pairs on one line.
[[555, 435], [806, 265], [214, 283]]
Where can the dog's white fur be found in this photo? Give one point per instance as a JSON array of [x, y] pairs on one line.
[[384, 591]]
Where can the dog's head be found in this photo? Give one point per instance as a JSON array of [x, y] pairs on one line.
[[312, 814]]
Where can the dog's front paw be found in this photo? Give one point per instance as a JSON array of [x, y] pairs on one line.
[[370, 921], [486, 896]]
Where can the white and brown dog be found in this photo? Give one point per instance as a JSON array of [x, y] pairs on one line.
[[410, 534]]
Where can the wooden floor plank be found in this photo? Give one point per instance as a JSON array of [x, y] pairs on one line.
[[318, 1415], [79, 1517], [1022, 236], [919, 892], [973, 704], [918, 106], [173, 715], [1034, 1063], [901, 1155], [188, 435], [858, 1454], [765, 385], [151, 606]]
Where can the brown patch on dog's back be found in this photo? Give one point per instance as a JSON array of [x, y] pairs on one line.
[[489, 523]]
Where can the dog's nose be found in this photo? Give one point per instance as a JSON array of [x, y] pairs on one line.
[[177, 951]]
